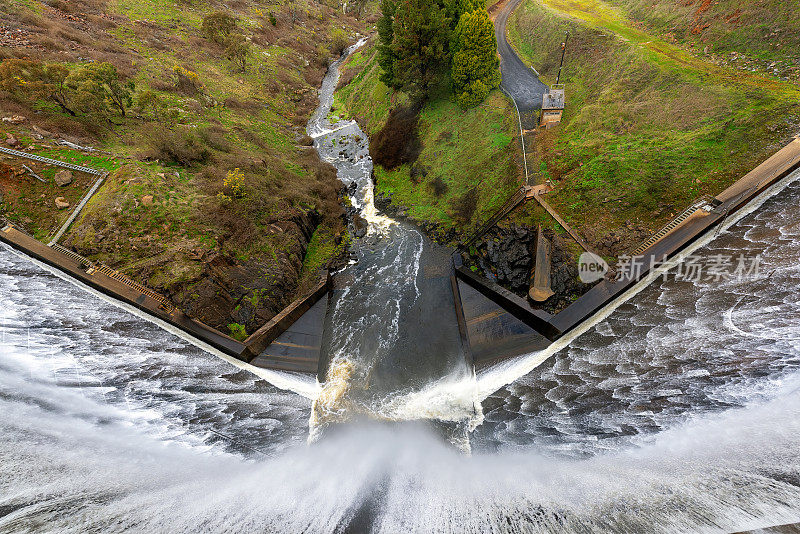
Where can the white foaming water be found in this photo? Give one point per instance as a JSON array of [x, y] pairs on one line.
[[69, 462], [381, 286], [679, 412], [496, 377]]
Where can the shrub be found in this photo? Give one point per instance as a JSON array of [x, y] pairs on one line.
[[438, 186], [272, 19], [187, 81], [218, 26], [238, 331], [238, 50], [234, 184], [339, 42], [464, 207], [214, 137], [149, 101], [178, 146]]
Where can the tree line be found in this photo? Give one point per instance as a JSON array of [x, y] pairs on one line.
[[423, 42]]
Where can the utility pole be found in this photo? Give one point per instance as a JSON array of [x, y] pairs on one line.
[[563, 51]]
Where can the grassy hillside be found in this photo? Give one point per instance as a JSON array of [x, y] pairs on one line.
[[762, 34], [195, 117], [649, 125], [468, 164]]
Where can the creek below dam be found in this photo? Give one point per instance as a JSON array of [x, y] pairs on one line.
[[679, 412]]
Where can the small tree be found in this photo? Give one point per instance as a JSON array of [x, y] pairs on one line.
[[386, 55], [149, 100], [475, 70], [27, 81], [239, 50], [218, 26], [98, 88], [54, 79]]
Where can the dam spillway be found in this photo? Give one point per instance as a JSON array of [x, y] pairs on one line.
[[679, 411]]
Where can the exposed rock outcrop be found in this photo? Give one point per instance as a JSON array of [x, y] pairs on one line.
[[506, 255], [63, 178]]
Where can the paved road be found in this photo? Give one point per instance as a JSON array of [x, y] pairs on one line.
[[518, 79]]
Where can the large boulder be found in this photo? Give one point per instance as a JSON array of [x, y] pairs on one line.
[[63, 178], [62, 203], [360, 226], [16, 119]]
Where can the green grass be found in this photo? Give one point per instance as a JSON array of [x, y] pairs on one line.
[[366, 97], [321, 249], [103, 163], [163, 11], [768, 30], [463, 149], [649, 126]]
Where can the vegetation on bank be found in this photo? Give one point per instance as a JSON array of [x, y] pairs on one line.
[[649, 126], [188, 93], [425, 44], [465, 164], [441, 136]]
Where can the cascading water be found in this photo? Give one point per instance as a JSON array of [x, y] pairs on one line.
[[378, 369], [680, 412]]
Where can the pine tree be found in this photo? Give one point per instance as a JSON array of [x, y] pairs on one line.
[[386, 54], [420, 45], [475, 69], [456, 8]]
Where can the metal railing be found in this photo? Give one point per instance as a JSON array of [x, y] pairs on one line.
[[80, 260], [78, 209], [119, 277], [92, 268], [515, 199], [49, 161], [699, 203]]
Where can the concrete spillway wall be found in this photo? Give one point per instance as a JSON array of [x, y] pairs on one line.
[[671, 244], [119, 288], [112, 287]]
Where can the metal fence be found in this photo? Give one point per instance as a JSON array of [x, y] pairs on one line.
[[49, 161]]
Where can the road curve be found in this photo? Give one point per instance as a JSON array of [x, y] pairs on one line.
[[519, 80]]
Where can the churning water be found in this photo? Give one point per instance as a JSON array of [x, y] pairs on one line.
[[680, 412], [393, 326]]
